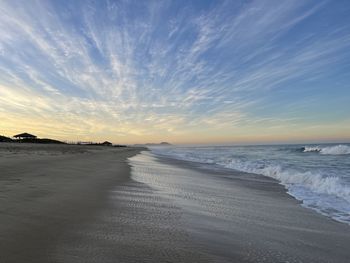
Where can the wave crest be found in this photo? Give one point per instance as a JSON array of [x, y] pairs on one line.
[[311, 149], [331, 150]]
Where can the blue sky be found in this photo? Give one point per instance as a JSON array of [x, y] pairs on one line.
[[183, 71]]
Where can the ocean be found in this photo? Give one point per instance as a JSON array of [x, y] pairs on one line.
[[316, 175]]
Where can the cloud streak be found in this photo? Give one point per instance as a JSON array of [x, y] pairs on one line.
[[145, 70]]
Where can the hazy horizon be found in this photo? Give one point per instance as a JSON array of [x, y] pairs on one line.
[[185, 72]]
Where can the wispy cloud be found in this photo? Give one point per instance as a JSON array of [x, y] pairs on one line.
[[138, 69]]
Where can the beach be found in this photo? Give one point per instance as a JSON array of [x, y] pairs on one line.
[[69, 203], [48, 191]]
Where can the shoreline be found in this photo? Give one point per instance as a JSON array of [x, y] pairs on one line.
[[240, 217], [318, 180]]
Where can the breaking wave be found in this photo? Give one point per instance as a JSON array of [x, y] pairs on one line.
[[311, 149], [332, 150], [326, 194], [312, 181]]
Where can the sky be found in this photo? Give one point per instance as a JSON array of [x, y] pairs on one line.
[[177, 71]]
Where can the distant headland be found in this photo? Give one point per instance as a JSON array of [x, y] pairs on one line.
[[154, 144]]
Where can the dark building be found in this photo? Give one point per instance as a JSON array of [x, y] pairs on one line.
[[25, 136]]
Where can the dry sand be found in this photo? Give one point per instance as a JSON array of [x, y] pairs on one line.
[[49, 190]]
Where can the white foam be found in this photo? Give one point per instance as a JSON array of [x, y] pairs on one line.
[[327, 195], [336, 150], [311, 149], [331, 150], [312, 181]]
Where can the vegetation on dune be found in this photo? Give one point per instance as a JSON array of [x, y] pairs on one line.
[[5, 139], [42, 141], [30, 140]]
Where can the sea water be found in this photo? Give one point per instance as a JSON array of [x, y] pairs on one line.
[[317, 175]]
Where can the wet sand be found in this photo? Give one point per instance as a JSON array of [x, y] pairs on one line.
[[85, 204], [238, 217]]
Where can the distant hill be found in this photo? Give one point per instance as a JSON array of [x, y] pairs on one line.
[[154, 144]]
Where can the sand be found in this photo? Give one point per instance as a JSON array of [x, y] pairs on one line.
[[49, 190], [61, 203]]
